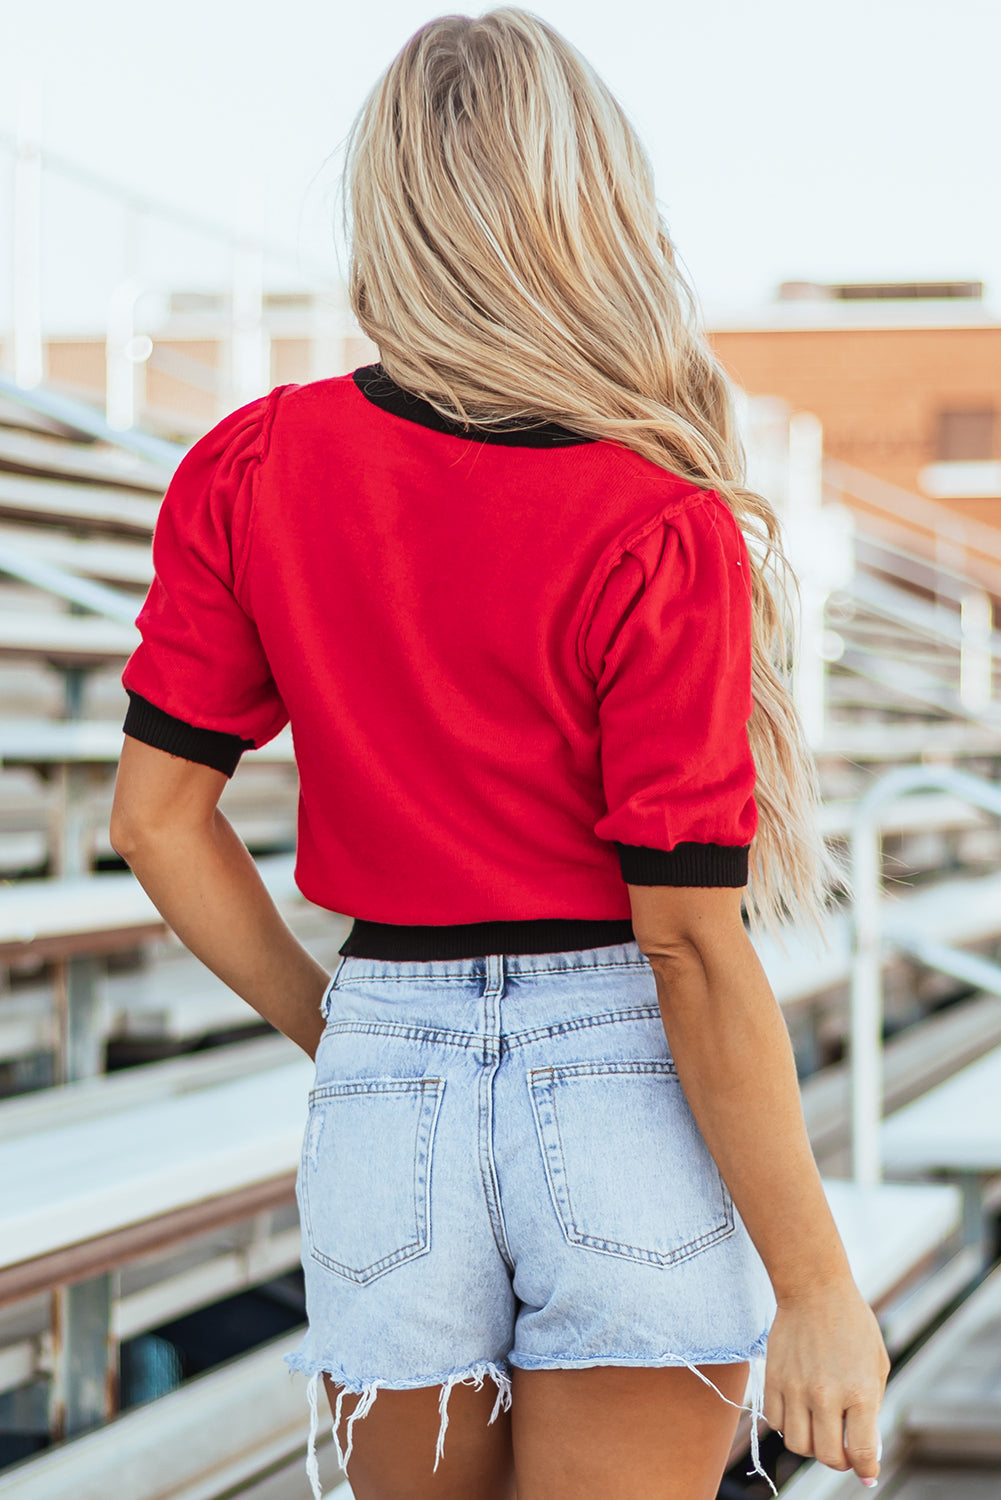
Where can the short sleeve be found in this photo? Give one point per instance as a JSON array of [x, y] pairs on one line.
[[668, 646], [199, 683]]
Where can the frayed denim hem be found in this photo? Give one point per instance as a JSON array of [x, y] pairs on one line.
[[368, 1389], [499, 1372]]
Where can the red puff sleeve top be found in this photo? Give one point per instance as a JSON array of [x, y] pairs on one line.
[[517, 664]]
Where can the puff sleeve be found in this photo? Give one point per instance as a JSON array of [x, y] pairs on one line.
[[668, 646], [199, 682]]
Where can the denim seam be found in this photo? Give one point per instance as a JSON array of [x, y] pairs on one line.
[[346, 1088], [563, 1161], [521, 975], [580, 1023], [651, 1257], [435, 979], [465, 1039], [655, 1067], [488, 1170], [356, 1385], [644, 1361], [363, 1275], [540, 1133], [515, 974]]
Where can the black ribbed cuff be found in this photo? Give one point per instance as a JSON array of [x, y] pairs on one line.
[[208, 747], [688, 863]]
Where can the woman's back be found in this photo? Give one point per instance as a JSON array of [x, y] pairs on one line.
[[503, 653]]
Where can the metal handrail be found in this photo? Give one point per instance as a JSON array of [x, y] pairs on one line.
[[86, 420], [118, 1247], [867, 959], [915, 511], [249, 251], [162, 208], [898, 605], [93, 596], [920, 572]]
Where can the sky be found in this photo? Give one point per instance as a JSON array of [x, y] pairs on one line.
[[791, 139]]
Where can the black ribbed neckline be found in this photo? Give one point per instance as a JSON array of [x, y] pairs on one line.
[[379, 388]]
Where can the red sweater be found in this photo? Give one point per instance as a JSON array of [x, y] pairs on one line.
[[517, 665]]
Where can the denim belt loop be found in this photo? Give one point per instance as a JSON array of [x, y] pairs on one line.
[[496, 972]]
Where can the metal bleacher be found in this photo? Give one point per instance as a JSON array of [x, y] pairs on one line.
[[137, 1194], [910, 685], [122, 1204]]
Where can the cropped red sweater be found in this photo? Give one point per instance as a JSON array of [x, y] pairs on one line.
[[517, 664]]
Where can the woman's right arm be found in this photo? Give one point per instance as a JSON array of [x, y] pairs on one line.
[[826, 1363]]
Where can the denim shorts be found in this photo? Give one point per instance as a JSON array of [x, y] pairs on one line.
[[499, 1168]]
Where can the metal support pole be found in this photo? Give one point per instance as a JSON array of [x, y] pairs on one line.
[[867, 1004], [330, 326], [29, 356], [83, 1357], [78, 998], [250, 371], [81, 1020], [71, 823], [763, 422], [83, 1392], [71, 831], [123, 371], [975, 660], [975, 1224], [803, 526]]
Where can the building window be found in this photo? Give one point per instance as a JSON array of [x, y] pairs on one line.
[[966, 436]]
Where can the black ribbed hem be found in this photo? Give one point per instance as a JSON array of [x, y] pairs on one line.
[[688, 863], [388, 940], [208, 747], [377, 386]]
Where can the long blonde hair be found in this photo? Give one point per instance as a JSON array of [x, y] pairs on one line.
[[509, 260]]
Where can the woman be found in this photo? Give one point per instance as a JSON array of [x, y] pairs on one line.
[[527, 623]]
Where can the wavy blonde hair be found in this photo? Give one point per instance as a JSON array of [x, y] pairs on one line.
[[509, 260]]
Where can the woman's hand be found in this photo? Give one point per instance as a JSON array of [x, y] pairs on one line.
[[825, 1373], [826, 1364]]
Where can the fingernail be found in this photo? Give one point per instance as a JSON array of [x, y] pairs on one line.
[[870, 1483]]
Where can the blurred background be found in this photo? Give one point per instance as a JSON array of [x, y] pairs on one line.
[[170, 249]]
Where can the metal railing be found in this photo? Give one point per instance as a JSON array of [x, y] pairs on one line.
[[242, 319], [936, 621], [912, 615], [869, 946], [951, 538]]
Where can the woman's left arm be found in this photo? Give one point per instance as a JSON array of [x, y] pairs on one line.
[[202, 879]]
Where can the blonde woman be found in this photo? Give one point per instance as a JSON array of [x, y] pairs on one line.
[[527, 622]]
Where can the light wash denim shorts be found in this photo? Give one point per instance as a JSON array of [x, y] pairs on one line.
[[499, 1168]]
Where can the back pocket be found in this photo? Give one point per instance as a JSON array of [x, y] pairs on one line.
[[365, 1173], [628, 1170]]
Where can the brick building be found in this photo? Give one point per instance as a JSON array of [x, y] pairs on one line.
[[906, 379]]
